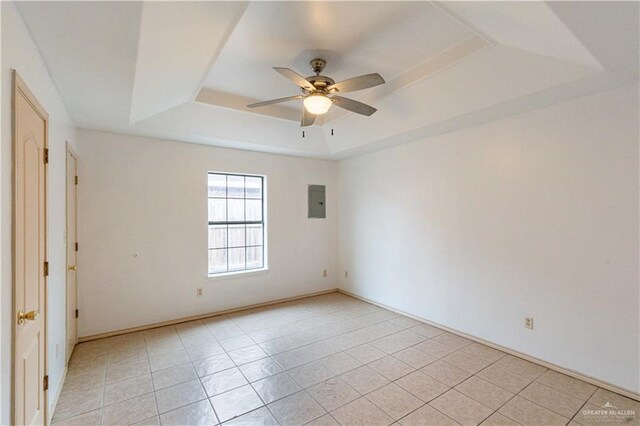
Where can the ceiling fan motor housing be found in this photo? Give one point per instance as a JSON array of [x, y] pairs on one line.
[[317, 65]]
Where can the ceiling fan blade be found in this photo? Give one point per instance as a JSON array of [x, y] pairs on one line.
[[275, 101], [357, 83], [307, 118], [353, 106], [296, 78]]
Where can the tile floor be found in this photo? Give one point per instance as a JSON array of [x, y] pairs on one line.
[[324, 360]]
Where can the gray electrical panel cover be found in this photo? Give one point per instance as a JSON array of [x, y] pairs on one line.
[[317, 204]]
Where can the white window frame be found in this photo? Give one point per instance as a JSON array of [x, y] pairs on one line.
[[242, 272]]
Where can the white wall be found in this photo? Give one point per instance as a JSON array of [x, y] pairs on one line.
[[20, 53], [535, 215], [148, 197]]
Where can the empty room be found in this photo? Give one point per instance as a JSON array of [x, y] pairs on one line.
[[348, 213]]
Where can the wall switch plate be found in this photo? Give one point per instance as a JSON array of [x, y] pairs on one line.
[[324, 273], [528, 323], [57, 350], [199, 291], [346, 274]]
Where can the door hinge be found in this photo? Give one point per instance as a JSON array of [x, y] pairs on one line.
[[77, 313], [46, 155], [76, 246], [46, 269], [45, 382], [76, 180]]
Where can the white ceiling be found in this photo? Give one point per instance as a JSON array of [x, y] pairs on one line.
[[186, 70]]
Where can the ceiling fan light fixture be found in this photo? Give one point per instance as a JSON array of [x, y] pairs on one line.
[[317, 104]]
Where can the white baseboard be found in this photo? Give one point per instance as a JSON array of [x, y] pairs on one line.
[[199, 317], [597, 382], [54, 402]]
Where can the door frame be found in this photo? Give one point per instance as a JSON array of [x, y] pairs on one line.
[[20, 86], [70, 151]]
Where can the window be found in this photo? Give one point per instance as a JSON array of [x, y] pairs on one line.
[[236, 223]]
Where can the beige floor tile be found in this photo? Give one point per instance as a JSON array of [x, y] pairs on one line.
[[223, 381], [427, 416], [119, 372], [179, 395], [497, 419], [206, 350], [130, 355], [366, 353], [247, 354], [235, 402], [333, 393], [466, 361], [391, 368], [435, 349], [74, 403], [130, 411], [446, 373], [276, 346], [528, 413], [276, 387], [361, 412], [325, 420], [296, 409], [84, 382], [310, 374], [151, 421], [521, 367], [260, 369], [569, 385], [552, 399], [238, 342], [414, 357], [504, 378], [364, 379], [213, 364], [88, 419], [260, 417], [461, 408], [197, 414], [340, 363], [491, 395], [127, 389], [483, 352], [427, 330], [173, 376], [423, 386], [168, 360], [601, 397], [394, 401], [452, 340]]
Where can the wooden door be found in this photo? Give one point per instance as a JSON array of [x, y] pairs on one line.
[[29, 253], [72, 251]]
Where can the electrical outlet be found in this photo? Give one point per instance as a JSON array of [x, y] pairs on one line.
[[199, 291], [528, 323], [346, 274], [324, 273]]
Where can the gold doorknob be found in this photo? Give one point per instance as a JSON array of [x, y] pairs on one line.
[[31, 316], [72, 268]]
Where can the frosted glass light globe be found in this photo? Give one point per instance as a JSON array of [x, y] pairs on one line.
[[317, 104]]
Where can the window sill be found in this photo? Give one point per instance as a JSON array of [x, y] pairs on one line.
[[238, 274]]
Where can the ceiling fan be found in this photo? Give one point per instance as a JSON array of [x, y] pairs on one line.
[[320, 92]]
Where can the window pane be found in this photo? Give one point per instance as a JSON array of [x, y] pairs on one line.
[[236, 259], [254, 235], [236, 210], [253, 187], [254, 257], [217, 261], [217, 210], [235, 186], [236, 235], [254, 210], [217, 236], [217, 185]]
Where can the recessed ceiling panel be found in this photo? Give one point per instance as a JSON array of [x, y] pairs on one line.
[[354, 37]]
